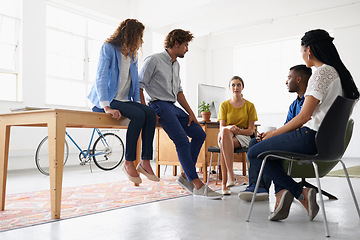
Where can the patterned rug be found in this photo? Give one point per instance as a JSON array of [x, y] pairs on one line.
[[28, 209]]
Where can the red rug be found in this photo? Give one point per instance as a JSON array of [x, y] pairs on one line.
[[28, 209]]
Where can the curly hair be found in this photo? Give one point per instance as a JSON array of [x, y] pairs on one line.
[[128, 34], [177, 35]]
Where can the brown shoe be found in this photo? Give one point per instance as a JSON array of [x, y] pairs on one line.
[[283, 208]]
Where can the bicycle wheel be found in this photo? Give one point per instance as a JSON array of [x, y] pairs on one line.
[[42, 156], [108, 151]]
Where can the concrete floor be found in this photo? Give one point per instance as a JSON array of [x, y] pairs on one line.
[[187, 217]]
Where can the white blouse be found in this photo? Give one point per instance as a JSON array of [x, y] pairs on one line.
[[324, 85]]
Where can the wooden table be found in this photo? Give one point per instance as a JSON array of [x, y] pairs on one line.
[[56, 120]]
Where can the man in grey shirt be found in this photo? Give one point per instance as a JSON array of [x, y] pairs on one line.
[[160, 78]]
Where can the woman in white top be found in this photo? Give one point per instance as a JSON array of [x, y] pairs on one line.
[[330, 79], [116, 91]]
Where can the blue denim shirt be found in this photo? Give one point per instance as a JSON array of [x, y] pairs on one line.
[[295, 108], [106, 84]]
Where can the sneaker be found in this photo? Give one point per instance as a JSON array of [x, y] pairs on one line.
[[248, 193], [185, 184], [206, 192]]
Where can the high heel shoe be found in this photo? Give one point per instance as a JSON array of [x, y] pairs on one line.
[[132, 179], [151, 177]]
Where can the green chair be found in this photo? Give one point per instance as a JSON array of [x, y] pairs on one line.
[[303, 170]]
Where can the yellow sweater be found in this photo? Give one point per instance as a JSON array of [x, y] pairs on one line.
[[237, 116]]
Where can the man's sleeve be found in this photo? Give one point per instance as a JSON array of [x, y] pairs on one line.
[[147, 72]]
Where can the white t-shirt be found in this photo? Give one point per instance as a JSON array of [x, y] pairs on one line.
[[324, 85], [124, 80]]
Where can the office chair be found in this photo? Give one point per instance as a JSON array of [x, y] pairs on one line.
[[330, 142], [304, 171]]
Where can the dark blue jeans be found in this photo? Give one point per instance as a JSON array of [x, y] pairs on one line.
[[142, 119], [301, 140], [175, 121], [254, 170]]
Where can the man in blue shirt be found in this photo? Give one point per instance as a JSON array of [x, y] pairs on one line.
[[297, 82]]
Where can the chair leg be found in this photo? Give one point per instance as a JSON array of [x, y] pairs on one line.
[[217, 169], [321, 200], [351, 188], [244, 164], [256, 188]]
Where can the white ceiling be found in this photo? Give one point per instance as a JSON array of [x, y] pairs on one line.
[[203, 17]]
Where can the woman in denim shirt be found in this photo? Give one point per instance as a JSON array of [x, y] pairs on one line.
[[116, 91]]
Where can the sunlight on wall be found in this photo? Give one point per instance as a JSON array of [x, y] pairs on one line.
[[264, 69]]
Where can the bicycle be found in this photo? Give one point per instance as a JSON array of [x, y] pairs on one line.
[[107, 152]]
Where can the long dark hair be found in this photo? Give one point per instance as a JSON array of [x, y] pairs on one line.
[[324, 50]]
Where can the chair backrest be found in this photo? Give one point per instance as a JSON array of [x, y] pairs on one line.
[[330, 138], [348, 134], [307, 170]]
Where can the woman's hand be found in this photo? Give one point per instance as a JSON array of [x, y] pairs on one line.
[[114, 112], [234, 129]]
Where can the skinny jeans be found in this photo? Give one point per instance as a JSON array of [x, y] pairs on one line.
[[175, 121], [142, 119], [301, 140]]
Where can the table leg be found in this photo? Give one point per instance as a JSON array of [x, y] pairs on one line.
[[4, 155], [56, 134]]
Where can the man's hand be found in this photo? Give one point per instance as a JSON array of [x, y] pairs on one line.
[[192, 118], [265, 135], [114, 112]]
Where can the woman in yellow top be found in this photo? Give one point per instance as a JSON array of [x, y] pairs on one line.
[[237, 118]]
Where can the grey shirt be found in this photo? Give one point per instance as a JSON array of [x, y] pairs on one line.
[[160, 77]]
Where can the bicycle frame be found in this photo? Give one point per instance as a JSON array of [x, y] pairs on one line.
[[87, 154]]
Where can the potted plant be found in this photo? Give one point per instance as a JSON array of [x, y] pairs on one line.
[[204, 109]]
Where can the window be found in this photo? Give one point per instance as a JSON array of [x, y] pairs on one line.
[[73, 42], [9, 45], [264, 69]]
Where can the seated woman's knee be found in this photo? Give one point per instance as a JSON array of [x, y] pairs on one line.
[[225, 132]]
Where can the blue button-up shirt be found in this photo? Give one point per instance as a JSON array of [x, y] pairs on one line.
[[295, 108]]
